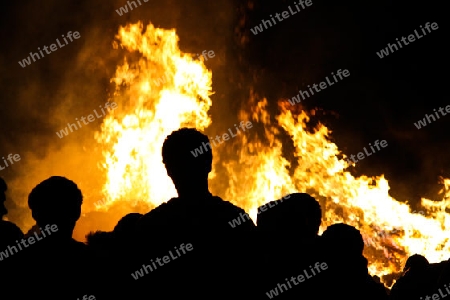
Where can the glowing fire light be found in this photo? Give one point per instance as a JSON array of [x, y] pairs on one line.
[[134, 138], [256, 170]]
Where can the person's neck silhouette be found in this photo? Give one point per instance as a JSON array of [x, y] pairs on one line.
[[192, 189]]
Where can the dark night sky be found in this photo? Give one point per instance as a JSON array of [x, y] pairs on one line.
[[381, 99]]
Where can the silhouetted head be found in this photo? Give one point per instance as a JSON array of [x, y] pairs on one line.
[[344, 240], [184, 163], [9, 233], [56, 200], [295, 216], [416, 262], [3, 188], [127, 224]]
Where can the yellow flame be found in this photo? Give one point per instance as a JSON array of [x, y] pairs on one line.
[[165, 89]]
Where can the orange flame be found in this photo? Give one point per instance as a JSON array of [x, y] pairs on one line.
[[133, 139], [256, 169]]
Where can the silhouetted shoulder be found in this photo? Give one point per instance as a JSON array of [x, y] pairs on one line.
[[211, 207], [155, 214], [9, 229], [222, 212], [224, 206]]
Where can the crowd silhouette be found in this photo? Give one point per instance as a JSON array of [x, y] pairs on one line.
[[186, 249]]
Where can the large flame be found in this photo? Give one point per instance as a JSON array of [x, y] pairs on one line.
[[163, 89]]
